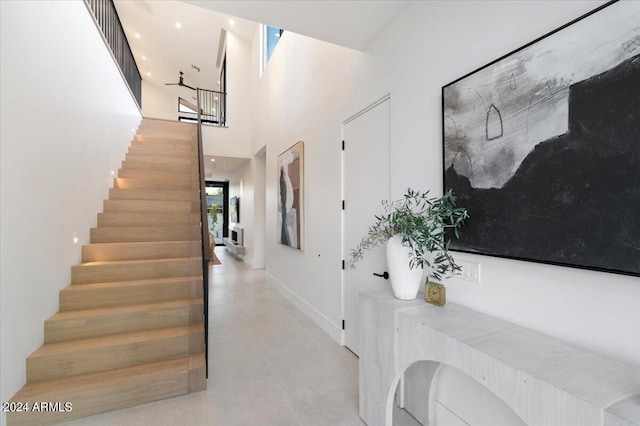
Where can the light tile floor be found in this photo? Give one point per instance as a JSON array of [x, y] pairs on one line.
[[269, 364]]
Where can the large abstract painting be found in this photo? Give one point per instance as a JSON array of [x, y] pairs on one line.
[[542, 146], [291, 196]]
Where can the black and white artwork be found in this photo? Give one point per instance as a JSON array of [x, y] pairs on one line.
[[290, 220], [542, 147], [234, 210]]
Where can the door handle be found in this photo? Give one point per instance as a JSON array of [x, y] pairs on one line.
[[384, 275]]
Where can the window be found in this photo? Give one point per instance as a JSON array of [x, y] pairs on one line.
[[270, 38], [195, 120], [222, 98]]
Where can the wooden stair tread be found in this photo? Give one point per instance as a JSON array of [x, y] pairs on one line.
[[115, 234], [154, 183], [136, 261], [126, 270], [96, 312], [154, 226], [141, 243], [153, 194], [166, 152], [164, 137], [87, 381], [126, 219], [144, 160], [154, 203], [151, 281], [129, 292], [115, 340], [152, 166], [86, 323], [140, 250]]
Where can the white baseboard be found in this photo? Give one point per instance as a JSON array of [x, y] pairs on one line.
[[315, 315]]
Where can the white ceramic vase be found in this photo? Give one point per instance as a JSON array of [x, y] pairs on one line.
[[405, 281]]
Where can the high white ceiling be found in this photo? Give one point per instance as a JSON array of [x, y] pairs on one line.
[[162, 50], [223, 168], [349, 23]]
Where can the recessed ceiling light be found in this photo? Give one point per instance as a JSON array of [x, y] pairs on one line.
[[232, 22], [178, 25], [218, 82], [137, 35], [144, 58], [148, 74], [213, 159]]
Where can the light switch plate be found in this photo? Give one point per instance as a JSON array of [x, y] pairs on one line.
[[470, 271]]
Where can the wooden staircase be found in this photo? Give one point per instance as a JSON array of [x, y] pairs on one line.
[[130, 327]]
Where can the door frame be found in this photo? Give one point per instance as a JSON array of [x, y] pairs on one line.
[[386, 97], [225, 204]]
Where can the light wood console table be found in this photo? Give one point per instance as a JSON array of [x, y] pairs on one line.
[[543, 380]]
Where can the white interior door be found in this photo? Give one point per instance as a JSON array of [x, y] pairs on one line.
[[366, 184]]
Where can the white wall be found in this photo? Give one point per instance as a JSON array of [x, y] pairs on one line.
[[249, 185], [310, 87], [241, 185], [67, 120], [259, 163], [235, 139], [158, 102], [301, 96]]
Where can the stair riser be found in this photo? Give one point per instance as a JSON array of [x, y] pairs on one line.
[[58, 330], [112, 390], [152, 194], [168, 127], [164, 138], [147, 158], [108, 273], [156, 183], [93, 360], [191, 177], [116, 234], [158, 148], [154, 166], [164, 149], [129, 251], [148, 219], [169, 130], [107, 398], [166, 152], [144, 206], [77, 297], [198, 380]]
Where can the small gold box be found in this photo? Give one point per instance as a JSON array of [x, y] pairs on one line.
[[436, 294]]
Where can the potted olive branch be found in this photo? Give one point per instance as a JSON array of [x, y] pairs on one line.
[[414, 229]]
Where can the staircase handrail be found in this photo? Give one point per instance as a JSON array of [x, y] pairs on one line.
[[206, 245], [106, 17], [212, 107]]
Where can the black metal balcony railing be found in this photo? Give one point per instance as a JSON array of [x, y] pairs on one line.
[[212, 107], [107, 18]]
